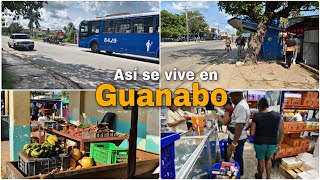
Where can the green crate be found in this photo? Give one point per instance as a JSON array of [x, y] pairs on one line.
[[108, 153]]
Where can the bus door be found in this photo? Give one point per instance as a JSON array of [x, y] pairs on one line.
[[145, 36]]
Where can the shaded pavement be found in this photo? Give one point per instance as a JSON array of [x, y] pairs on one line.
[[264, 75]]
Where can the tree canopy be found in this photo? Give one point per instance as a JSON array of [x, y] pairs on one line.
[[262, 10], [174, 25]]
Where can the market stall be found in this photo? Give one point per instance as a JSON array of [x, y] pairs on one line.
[[55, 148]]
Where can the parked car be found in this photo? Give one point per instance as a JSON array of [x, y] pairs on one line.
[[19, 40]]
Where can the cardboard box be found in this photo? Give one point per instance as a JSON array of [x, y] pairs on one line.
[[297, 150], [304, 142], [289, 150], [305, 101]]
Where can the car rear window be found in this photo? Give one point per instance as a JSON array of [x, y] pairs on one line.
[[20, 37]]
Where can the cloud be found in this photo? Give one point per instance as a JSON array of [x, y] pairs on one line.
[[229, 28], [57, 14], [191, 5], [223, 13]]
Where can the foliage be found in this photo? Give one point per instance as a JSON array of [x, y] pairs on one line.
[[241, 31], [70, 30], [263, 12], [15, 28], [37, 93], [64, 94], [174, 25]]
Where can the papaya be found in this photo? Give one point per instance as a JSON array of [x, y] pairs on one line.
[[79, 167], [86, 162], [51, 141], [75, 154]]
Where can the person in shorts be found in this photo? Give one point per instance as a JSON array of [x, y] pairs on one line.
[[239, 45], [228, 44], [267, 127]]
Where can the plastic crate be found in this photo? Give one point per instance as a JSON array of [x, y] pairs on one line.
[[33, 166], [168, 170], [222, 144], [218, 166], [108, 153]]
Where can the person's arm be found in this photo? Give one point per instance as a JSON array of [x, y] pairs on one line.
[[237, 133], [281, 132], [175, 123], [284, 49], [241, 115], [226, 118], [253, 128]]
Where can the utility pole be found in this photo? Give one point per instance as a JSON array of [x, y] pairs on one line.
[[185, 7]]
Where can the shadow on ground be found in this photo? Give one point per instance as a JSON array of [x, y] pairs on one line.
[[83, 76], [142, 59]]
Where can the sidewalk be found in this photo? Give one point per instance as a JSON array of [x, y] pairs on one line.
[[232, 74], [173, 44]]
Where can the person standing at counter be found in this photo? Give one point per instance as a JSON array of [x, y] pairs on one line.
[[237, 128], [297, 116], [268, 131], [228, 110], [176, 119]]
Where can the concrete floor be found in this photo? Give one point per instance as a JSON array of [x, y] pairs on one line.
[[5, 156], [250, 161]]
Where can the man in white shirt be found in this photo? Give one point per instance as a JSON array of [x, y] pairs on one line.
[[297, 116], [176, 119], [237, 127]]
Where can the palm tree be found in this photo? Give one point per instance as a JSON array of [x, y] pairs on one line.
[[34, 18]]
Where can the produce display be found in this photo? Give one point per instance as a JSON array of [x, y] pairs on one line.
[[51, 147], [79, 159]]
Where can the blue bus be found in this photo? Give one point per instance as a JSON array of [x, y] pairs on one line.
[[136, 34]]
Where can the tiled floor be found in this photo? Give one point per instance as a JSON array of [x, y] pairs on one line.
[[250, 161], [5, 156]]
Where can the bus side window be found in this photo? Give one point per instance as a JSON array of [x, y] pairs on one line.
[[108, 26], [123, 26], [95, 27], [84, 29], [143, 25]]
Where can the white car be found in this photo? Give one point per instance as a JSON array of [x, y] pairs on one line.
[[20, 41]]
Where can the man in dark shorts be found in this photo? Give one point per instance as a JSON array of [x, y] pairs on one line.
[[289, 49]]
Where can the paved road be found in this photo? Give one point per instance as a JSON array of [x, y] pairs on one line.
[[189, 56], [83, 67]]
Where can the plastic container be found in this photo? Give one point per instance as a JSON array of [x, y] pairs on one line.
[[168, 170], [218, 166], [222, 144], [108, 153], [33, 166], [251, 139]]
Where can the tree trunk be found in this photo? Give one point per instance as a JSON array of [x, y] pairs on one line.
[[256, 42]]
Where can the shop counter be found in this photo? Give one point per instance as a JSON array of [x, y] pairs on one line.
[[195, 153]]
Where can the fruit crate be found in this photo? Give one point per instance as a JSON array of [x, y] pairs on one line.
[[33, 166], [168, 170], [108, 153]]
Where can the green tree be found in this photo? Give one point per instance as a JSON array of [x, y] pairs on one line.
[[197, 23], [172, 25], [263, 12], [64, 94], [15, 28]]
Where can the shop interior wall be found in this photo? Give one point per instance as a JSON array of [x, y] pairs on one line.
[[148, 123]]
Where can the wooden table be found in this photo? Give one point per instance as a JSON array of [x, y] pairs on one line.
[[82, 141]]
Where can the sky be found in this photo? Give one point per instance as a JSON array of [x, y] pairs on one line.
[[57, 14], [210, 11]]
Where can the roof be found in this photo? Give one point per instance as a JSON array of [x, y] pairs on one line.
[[126, 16]]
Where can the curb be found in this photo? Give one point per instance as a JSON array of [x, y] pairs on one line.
[[309, 68]]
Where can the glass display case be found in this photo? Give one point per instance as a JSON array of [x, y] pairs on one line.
[[195, 153]]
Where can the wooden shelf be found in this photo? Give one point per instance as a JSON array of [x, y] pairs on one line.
[[306, 130], [299, 107]]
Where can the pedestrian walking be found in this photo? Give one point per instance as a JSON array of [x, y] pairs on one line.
[[228, 45], [243, 42], [239, 46], [297, 51], [289, 49]]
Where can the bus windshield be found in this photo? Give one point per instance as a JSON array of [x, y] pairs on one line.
[[88, 28]]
